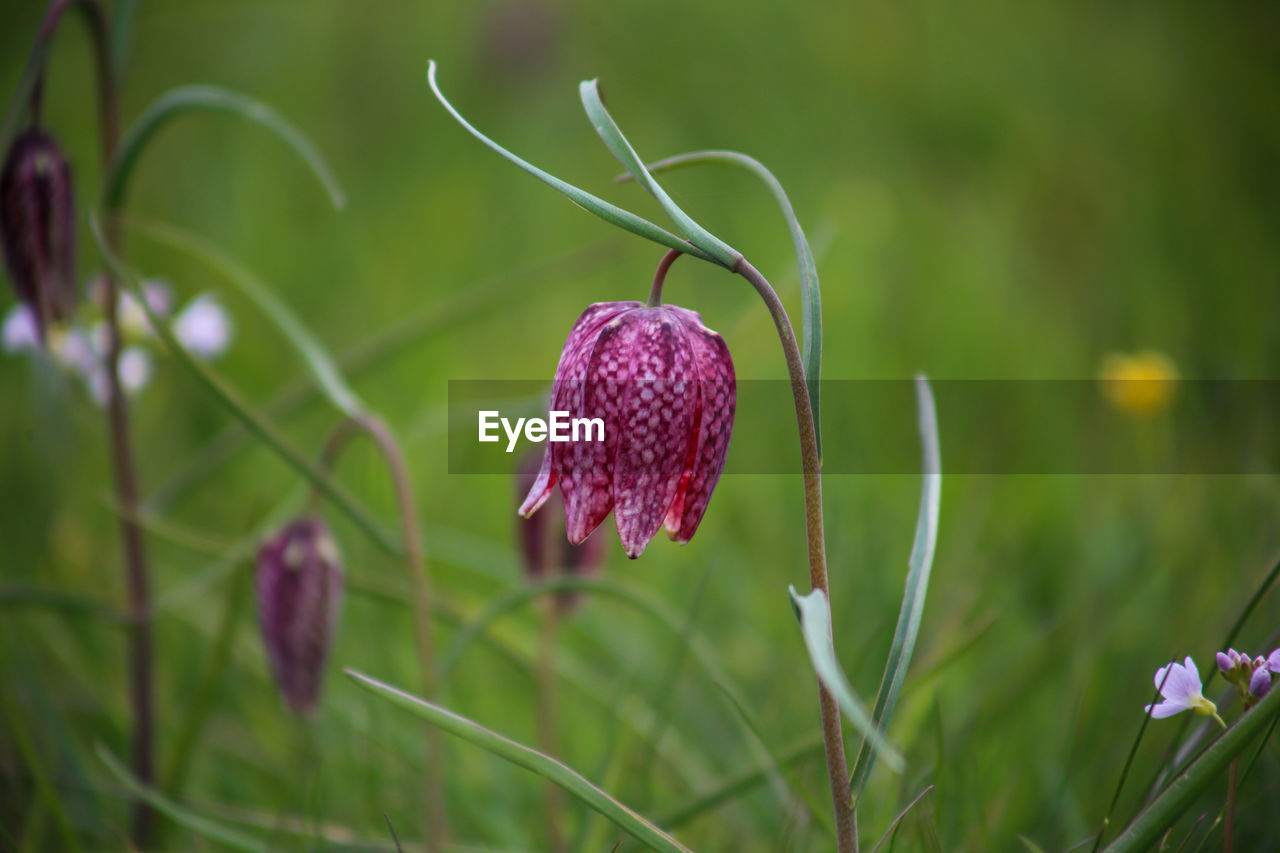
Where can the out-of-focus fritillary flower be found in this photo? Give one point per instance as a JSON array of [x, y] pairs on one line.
[[1142, 384], [545, 550], [37, 227], [299, 587]]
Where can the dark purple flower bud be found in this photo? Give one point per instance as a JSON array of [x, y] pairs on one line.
[[299, 586], [543, 546], [1259, 683], [1225, 663], [37, 226], [663, 385], [1273, 661]]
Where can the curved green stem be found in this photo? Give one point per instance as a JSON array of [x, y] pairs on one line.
[[437, 822], [832, 734]]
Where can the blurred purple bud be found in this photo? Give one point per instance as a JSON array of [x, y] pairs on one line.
[[1259, 683], [37, 226], [1225, 663], [299, 587], [1273, 661], [543, 545]]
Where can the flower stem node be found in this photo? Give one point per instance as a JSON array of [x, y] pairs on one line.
[[299, 588], [664, 385]]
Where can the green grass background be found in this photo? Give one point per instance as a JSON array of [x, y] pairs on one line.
[[996, 190]]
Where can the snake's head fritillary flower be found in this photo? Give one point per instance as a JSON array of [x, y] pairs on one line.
[[544, 549], [299, 590], [37, 226], [1181, 690], [664, 387]]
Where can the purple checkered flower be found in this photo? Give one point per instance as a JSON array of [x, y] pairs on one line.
[[37, 227], [299, 587], [664, 387]]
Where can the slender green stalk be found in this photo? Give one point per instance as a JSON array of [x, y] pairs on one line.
[[660, 277], [437, 820], [45, 792], [832, 733]]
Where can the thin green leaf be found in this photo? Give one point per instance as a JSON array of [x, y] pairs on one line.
[[815, 624], [187, 98], [901, 815], [811, 309], [1206, 770], [45, 790], [610, 213], [784, 786], [722, 252], [259, 425], [917, 586], [743, 781], [549, 768], [199, 825], [314, 354]]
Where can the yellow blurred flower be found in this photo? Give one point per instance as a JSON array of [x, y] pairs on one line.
[[1142, 384]]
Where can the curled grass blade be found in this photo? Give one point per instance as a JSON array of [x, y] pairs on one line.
[[259, 425], [811, 308], [901, 816], [565, 777], [199, 825], [314, 354], [188, 98], [1206, 770], [607, 128], [610, 213], [814, 614], [917, 586]]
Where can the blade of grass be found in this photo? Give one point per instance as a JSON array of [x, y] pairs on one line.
[[259, 425], [742, 781], [199, 825], [566, 777], [45, 793], [917, 585], [610, 213], [901, 815], [607, 128], [784, 785], [323, 368], [811, 294], [814, 615], [1172, 803], [188, 98]]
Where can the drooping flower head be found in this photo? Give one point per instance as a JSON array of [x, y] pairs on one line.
[[299, 589], [543, 546], [664, 387], [37, 226], [1181, 690]]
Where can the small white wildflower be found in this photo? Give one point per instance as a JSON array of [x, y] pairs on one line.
[[19, 333], [1181, 690], [203, 326]]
